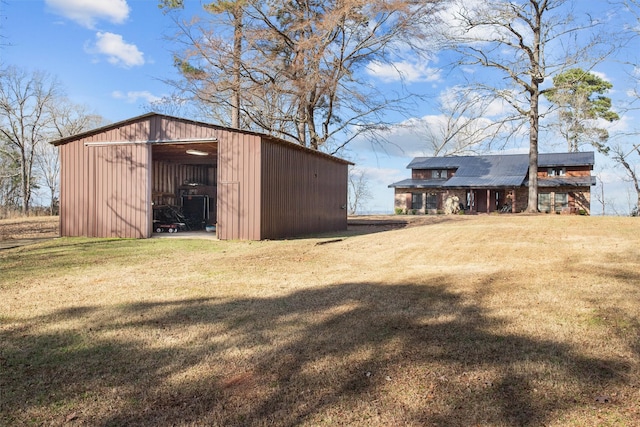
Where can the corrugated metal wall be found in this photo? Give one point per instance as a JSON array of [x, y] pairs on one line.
[[167, 177], [302, 193], [105, 190], [265, 188], [172, 128], [121, 190], [74, 190], [238, 214]]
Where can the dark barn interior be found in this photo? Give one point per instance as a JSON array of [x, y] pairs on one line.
[[184, 178]]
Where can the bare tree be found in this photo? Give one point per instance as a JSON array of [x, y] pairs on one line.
[[48, 169], [24, 119], [32, 112], [627, 154], [464, 125], [525, 41], [9, 179], [622, 156], [599, 193], [67, 119], [359, 192], [297, 66]]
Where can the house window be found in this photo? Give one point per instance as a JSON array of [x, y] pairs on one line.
[[438, 174], [561, 200], [416, 201], [557, 171], [544, 202], [432, 201]]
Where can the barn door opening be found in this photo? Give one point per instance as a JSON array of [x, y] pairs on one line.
[[184, 186]]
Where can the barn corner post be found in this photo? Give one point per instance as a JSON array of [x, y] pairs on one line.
[[148, 229]]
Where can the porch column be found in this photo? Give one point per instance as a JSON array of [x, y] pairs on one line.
[[488, 201], [513, 201]]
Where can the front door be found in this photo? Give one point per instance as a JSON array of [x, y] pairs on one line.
[[481, 200]]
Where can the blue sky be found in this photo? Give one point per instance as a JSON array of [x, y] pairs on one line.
[[112, 56]]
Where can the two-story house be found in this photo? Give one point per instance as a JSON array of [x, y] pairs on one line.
[[496, 183]]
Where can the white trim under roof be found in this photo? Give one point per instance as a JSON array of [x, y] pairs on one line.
[[153, 142]]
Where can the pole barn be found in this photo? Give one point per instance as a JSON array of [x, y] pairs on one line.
[[116, 179]]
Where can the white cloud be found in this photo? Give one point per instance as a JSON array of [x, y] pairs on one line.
[[117, 51], [132, 97], [453, 24], [601, 75], [409, 72], [87, 12]]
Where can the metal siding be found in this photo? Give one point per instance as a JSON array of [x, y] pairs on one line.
[[74, 217], [107, 190], [120, 194], [228, 219], [227, 204], [238, 213], [85, 192], [302, 193]]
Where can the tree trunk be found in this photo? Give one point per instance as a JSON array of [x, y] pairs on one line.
[[537, 77], [237, 56], [25, 182], [602, 196], [532, 204], [53, 202]]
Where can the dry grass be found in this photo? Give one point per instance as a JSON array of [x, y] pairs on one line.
[[29, 228], [487, 320]]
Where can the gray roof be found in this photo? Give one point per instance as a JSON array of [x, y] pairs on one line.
[[419, 183], [546, 160], [566, 181], [504, 170]]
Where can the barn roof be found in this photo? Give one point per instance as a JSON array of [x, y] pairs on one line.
[[146, 116], [502, 170]]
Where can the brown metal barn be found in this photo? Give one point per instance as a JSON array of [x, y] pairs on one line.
[[114, 179]]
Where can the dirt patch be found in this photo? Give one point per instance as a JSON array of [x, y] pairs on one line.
[[363, 224], [22, 231]]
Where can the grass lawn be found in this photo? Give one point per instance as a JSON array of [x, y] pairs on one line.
[[500, 320]]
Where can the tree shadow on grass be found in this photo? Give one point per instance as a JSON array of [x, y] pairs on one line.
[[360, 353]]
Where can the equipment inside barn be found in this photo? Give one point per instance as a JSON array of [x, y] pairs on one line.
[[167, 218], [195, 208]]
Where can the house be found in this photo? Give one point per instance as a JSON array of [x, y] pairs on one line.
[[496, 183], [248, 185]]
